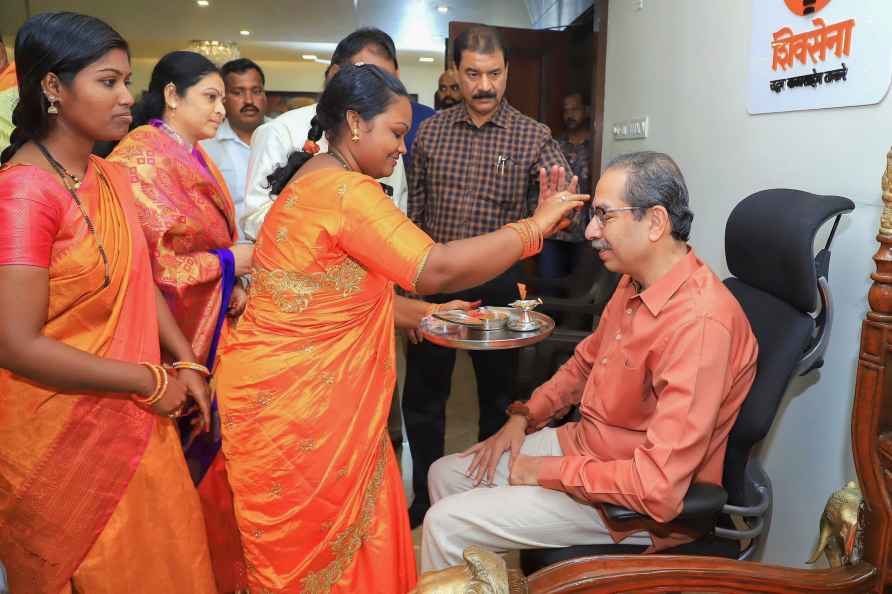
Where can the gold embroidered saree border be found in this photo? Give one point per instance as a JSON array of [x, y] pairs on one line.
[[348, 542], [292, 291]]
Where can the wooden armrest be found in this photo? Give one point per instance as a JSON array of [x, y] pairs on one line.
[[645, 573]]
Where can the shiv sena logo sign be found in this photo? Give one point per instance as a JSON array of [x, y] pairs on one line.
[[816, 54], [814, 46], [805, 7]]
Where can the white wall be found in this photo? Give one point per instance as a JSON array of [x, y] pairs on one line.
[[308, 76], [555, 13], [684, 63]]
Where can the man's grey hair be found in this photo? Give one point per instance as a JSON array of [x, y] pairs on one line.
[[654, 179]]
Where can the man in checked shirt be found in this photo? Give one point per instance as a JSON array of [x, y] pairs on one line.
[[474, 169]]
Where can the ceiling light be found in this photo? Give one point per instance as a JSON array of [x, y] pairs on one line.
[[309, 57], [245, 32], [203, 3], [425, 59], [218, 52], [322, 61], [442, 9]]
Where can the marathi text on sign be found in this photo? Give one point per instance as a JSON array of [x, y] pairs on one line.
[[787, 47]]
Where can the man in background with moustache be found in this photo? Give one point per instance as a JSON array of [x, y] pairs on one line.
[[474, 168], [245, 103]]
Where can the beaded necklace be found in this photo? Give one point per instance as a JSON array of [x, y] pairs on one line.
[[72, 184]]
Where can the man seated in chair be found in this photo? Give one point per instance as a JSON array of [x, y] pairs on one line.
[[659, 385]]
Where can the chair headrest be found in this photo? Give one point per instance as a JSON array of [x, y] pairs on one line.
[[769, 242]]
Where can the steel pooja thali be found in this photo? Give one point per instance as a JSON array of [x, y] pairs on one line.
[[489, 328]]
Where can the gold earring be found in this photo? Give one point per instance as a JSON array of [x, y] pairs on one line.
[[355, 137], [52, 109]]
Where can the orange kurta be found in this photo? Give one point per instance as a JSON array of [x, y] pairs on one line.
[[8, 77], [86, 477], [304, 386]]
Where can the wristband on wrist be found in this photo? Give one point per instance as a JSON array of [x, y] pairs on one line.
[[520, 409]]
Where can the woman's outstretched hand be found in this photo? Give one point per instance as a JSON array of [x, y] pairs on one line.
[[557, 200]]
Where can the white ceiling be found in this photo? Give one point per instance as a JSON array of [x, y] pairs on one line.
[[280, 29]]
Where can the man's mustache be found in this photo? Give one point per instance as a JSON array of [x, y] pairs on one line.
[[248, 108], [600, 244], [484, 96]]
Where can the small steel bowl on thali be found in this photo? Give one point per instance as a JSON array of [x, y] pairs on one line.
[[482, 318]]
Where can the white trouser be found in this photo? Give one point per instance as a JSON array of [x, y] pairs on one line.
[[405, 452], [503, 517]]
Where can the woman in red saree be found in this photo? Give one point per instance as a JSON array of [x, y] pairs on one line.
[[188, 219], [94, 495], [304, 381]]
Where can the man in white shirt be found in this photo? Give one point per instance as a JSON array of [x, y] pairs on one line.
[[274, 141], [245, 103]]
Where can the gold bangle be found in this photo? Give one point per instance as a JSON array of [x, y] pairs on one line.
[[433, 307], [192, 366], [522, 233], [162, 388], [160, 385], [531, 237], [157, 377], [538, 236]]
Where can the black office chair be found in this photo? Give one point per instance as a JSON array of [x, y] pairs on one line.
[[783, 289]]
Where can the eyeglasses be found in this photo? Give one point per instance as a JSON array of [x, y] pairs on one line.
[[600, 213]]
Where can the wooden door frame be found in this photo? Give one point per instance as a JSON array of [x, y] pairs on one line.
[[599, 77]]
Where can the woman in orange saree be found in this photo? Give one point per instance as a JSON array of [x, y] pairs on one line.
[[304, 381], [189, 222], [94, 495]]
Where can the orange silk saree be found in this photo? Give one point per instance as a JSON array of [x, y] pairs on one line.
[[186, 211], [84, 477], [304, 385]]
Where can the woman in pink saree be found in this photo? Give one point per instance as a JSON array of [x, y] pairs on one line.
[[188, 219]]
